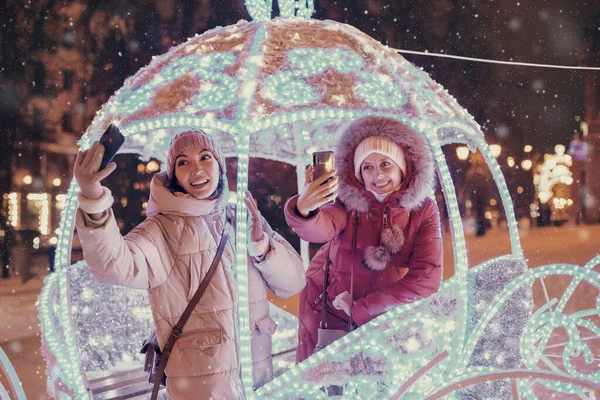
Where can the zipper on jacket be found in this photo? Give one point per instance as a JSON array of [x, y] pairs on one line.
[[318, 299], [385, 217]]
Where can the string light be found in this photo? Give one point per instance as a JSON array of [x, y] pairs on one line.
[[42, 200], [14, 199], [487, 60], [13, 378]]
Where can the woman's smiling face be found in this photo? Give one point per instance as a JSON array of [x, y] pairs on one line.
[[197, 171], [380, 174]]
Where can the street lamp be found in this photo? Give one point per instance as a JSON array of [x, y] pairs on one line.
[[510, 161], [527, 148], [27, 179], [526, 165], [462, 153]]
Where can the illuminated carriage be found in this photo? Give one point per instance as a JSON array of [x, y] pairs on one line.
[[279, 89]]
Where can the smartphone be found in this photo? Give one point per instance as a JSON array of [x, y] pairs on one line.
[[112, 139], [322, 163]]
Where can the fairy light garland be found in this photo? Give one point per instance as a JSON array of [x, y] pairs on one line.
[[216, 92], [13, 378], [442, 121]]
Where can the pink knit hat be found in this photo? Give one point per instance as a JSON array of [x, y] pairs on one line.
[[190, 139], [380, 145]]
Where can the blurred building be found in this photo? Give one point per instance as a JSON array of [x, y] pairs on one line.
[[52, 106], [59, 62]]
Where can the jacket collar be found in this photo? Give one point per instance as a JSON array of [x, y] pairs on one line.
[[162, 201]]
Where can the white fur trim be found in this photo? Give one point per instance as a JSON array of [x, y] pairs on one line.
[[95, 206], [260, 248]]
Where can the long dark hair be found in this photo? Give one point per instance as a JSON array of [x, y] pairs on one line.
[[175, 186]]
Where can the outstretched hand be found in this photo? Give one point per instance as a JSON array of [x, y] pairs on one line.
[[318, 192], [256, 229], [86, 171]]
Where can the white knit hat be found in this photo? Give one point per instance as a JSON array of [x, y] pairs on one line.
[[380, 145]]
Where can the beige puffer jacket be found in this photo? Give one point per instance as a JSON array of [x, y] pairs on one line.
[[168, 254]]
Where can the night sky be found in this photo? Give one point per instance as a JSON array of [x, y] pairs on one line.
[[516, 105]]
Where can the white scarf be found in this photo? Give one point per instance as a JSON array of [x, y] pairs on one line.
[[381, 197]]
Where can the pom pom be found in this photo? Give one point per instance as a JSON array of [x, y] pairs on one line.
[[376, 258], [393, 238]]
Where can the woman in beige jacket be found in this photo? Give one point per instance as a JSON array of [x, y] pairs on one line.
[[170, 252]]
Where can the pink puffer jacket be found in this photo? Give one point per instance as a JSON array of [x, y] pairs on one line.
[[407, 222], [168, 254]]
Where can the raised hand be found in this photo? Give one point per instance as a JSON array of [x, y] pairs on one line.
[[256, 229], [86, 171], [318, 192]]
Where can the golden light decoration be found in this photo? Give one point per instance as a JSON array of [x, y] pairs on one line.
[[545, 196], [27, 179], [462, 152], [42, 200], [510, 161], [56, 181], [496, 149], [526, 164], [527, 148], [13, 209], [152, 166], [60, 201]]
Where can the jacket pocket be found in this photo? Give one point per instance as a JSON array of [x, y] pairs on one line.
[[201, 339], [266, 325], [202, 352]]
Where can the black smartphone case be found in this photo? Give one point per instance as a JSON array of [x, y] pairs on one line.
[[112, 139]]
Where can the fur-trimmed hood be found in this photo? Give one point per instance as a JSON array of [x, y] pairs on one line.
[[419, 160]]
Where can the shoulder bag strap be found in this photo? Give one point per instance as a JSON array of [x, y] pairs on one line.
[[324, 306], [350, 324], [323, 323], [178, 328]]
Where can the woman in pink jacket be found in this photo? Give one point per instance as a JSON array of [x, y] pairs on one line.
[[169, 254], [384, 175]]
